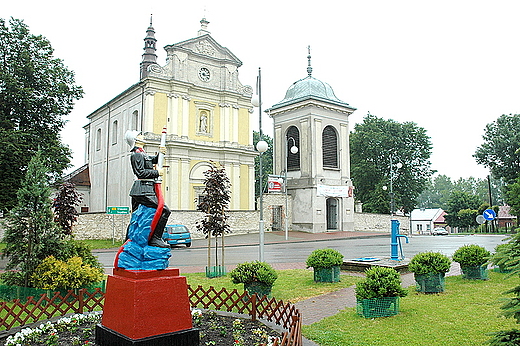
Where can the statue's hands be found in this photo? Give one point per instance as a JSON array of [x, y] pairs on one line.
[[162, 150], [161, 172]]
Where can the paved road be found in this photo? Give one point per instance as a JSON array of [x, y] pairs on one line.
[[296, 249]]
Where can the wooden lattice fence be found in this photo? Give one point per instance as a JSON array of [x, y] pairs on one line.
[[30, 310]]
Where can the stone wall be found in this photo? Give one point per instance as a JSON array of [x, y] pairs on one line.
[[104, 226], [379, 222]]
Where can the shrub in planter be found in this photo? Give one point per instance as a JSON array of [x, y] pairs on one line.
[[257, 277], [326, 264], [429, 269], [378, 293], [473, 261]]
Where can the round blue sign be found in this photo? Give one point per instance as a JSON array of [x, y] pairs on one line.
[[489, 214]]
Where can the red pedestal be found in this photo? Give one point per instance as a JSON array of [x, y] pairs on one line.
[[140, 304]]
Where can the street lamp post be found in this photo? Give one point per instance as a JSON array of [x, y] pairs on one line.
[[294, 150], [392, 200], [262, 147]]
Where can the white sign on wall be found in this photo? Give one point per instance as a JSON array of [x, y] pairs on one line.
[[334, 191]]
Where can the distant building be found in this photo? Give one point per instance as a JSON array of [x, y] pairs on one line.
[[505, 219], [197, 95], [423, 221]]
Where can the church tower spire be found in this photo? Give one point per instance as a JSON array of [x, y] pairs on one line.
[[149, 56], [309, 67]]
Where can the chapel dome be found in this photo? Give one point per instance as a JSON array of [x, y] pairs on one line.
[[310, 87]]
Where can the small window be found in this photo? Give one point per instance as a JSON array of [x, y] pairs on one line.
[[330, 147]]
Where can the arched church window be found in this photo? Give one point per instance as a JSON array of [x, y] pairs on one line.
[[114, 132], [292, 138], [329, 141], [98, 139]]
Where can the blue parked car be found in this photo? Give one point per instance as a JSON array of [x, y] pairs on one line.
[[177, 235]]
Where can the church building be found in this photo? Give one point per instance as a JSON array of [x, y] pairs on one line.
[[198, 97], [311, 139]]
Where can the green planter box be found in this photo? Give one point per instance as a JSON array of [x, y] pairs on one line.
[[215, 271], [261, 289], [378, 307], [475, 272], [430, 282], [327, 274]]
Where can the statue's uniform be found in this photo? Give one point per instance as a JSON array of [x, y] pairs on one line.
[[143, 191]]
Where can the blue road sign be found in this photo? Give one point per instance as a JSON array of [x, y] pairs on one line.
[[489, 214]]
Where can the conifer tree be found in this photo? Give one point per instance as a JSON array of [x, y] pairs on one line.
[[30, 230]]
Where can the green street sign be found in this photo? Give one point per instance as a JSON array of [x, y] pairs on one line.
[[118, 210]]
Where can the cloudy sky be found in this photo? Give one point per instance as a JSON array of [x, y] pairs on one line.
[[451, 66]]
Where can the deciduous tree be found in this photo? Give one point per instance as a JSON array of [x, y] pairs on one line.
[[64, 205], [373, 145], [36, 91], [500, 150], [214, 204]]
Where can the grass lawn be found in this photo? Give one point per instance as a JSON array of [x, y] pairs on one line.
[[462, 315], [291, 286]]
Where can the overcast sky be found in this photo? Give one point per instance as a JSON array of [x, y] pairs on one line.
[[450, 66]]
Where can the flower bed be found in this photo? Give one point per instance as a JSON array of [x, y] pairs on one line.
[[78, 329]]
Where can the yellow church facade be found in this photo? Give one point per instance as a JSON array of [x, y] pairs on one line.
[[198, 97]]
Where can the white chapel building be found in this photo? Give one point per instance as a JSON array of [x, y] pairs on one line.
[[314, 120]]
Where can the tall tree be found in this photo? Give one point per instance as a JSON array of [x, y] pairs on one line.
[[374, 144], [500, 150], [437, 193], [31, 234], [36, 91], [267, 162]]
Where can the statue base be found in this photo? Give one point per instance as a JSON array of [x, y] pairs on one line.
[[106, 336], [146, 307]]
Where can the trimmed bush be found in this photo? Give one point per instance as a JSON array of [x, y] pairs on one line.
[[429, 262], [324, 258], [471, 255], [254, 271], [380, 282]]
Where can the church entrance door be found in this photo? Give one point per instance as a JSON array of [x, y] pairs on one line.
[[332, 213]]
